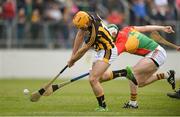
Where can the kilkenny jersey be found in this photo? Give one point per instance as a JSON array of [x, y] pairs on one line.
[[99, 37], [131, 41]]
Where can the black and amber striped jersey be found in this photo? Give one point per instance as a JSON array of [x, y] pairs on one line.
[[99, 37]]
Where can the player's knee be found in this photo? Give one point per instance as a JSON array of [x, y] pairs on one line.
[[105, 75], [93, 80]]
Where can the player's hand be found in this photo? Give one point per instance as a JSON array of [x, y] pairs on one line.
[[70, 63], [178, 48], [168, 29]]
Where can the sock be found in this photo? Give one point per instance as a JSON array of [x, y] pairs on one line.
[[133, 97], [162, 75], [119, 73], [101, 101]]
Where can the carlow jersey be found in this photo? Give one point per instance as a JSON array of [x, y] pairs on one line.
[[99, 37], [131, 41]]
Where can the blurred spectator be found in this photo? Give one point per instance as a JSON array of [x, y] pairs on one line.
[[1, 11], [38, 4], [1, 21], [151, 9], [177, 3], [21, 23], [9, 10], [115, 17], [9, 13], [28, 9], [171, 14], [35, 24], [162, 7], [139, 10], [114, 5], [83, 5], [53, 12], [51, 20]]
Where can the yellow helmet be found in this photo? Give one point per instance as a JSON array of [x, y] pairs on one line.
[[81, 19]]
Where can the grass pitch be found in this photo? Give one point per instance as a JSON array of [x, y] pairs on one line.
[[77, 99]]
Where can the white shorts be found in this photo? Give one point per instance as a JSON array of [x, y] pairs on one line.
[[107, 56], [158, 55]]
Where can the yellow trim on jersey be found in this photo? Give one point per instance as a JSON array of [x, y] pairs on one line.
[[106, 60], [107, 56], [100, 45]]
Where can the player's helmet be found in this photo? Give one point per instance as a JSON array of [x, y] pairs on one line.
[[81, 19], [113, 29]]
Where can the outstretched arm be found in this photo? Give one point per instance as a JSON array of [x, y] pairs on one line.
[[150, 28], [158, 38]]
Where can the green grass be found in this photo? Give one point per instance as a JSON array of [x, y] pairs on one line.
[[77, 99]]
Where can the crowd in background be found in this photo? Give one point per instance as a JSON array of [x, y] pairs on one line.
[[48, 23]]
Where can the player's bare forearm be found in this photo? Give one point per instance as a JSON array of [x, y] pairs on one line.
[[78, 41], [151, 28], [158, 38], [78, 55]]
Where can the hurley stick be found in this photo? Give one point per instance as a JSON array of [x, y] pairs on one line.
[[53, 88], [35, 96]]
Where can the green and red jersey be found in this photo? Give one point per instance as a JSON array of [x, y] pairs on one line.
[[131, 41]]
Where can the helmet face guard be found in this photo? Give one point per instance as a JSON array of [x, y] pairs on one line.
[[112, 28], [81, 20]]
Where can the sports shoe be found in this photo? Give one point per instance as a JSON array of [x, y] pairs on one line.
[[129, 105], [175, 94], [171, 78], [101, 109], [130, 75]]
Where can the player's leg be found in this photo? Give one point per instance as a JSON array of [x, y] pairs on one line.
[[157, 58], [97, 71], [103, 60], [109, 75], [169, 76], [139, 71], [143, 70], [132, 103]]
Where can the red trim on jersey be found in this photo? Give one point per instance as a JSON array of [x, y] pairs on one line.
[[142, 51]]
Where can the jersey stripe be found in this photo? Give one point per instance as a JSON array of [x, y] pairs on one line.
[[99, 37], [105, 38], [107, 54], [101, 44]]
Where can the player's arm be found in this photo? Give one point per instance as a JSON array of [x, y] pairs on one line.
[[78, 41], [150, 28], [158, 38], [80, 52]]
